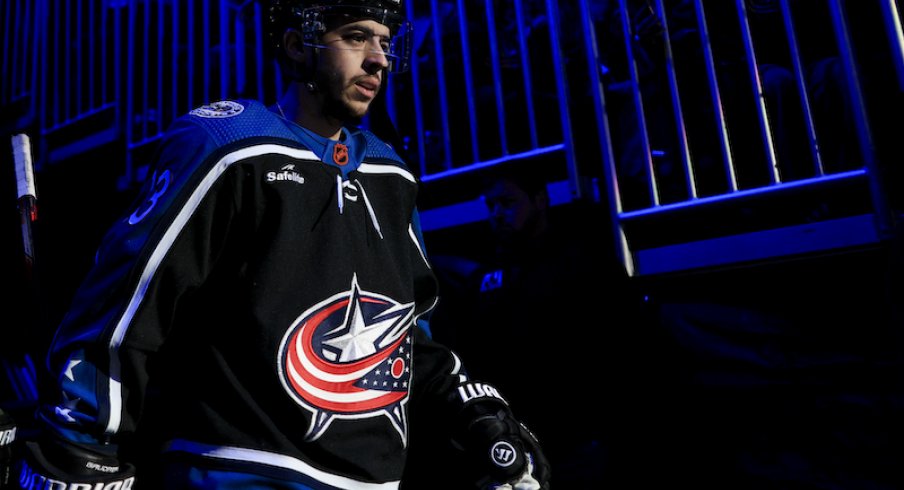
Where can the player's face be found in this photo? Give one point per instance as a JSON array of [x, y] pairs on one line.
[[350, 73]]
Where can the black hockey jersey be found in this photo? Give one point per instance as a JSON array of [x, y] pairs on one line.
[[257, 309]]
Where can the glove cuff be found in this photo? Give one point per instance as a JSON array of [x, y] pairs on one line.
[[474, 392], [476, 401], [72, 466]]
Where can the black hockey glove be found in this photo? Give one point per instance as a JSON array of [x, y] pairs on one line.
[[503, 454], [7, 438], [56, 463]]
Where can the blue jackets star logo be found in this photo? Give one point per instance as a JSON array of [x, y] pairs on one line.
[[349, 356]]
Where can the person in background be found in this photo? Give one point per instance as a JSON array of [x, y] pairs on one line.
[[548, 292], [255, 319]]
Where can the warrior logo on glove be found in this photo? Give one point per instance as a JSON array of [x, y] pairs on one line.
[[503, 454], [349, 357]]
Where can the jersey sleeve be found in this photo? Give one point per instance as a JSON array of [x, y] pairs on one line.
[[438, 371], [157, 253]]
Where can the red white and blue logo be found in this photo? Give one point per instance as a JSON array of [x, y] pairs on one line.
[[350, 357]]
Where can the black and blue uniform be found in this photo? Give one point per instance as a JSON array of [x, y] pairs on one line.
[[255, 315]]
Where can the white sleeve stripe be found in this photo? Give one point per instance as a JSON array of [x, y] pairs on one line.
[[376, 168], [276, 460], [160, 251]]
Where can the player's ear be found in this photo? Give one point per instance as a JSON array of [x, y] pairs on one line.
[[293, 43]]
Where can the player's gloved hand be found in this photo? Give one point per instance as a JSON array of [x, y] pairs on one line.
[[7, 438], [502, 452], [57, 463]]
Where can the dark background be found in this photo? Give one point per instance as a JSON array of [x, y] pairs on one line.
[[777, 375]]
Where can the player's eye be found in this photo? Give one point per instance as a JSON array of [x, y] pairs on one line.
[[355, 38]]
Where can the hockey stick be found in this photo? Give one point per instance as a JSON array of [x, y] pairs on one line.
[[27, 196], [21, 371]]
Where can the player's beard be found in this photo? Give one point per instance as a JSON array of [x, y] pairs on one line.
[[335, 105]]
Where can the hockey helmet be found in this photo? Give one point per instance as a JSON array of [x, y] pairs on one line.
[[314, 17]]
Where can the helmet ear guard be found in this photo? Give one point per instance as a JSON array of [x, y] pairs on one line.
[[315, 17]]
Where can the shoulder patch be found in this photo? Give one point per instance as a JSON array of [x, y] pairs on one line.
[[223, 108]]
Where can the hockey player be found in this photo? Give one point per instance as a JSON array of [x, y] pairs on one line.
[[253, 321]]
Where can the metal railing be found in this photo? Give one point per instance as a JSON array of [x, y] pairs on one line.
[[780, 157], [20, 59], [700, 117], [85, 73], [483, 87], [725, 132]]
